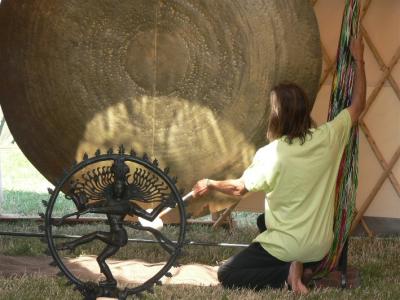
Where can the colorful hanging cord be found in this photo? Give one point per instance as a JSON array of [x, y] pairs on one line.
[[347, 181]]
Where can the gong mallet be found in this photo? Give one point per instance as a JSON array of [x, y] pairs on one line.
[[157, 223]]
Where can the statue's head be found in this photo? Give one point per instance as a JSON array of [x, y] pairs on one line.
[[119, 168], [118, 188]]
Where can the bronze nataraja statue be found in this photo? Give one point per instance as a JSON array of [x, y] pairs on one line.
[[116, 205]]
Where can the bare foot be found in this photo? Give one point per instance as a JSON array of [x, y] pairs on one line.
[[294, 278]]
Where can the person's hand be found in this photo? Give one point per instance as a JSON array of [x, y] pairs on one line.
[[357, 48], [201, 188]]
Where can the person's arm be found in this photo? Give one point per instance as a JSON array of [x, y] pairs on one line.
[[359, 90], [233, 187]]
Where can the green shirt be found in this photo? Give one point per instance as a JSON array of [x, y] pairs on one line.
[[299, 182]]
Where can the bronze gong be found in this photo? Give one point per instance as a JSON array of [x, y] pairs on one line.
[[186, 81]]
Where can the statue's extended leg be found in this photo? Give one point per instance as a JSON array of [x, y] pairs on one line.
[[97, 235], [108, 251]]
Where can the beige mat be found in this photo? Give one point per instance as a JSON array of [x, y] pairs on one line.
[[128, 271]]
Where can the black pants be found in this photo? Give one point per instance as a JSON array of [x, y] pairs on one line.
[[255, 268]]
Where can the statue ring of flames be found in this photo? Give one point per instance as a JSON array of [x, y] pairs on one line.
[[116, 188]]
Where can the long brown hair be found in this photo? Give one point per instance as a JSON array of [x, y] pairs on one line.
[[290, 113]]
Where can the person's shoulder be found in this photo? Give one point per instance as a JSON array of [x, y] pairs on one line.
[[341, 124], [337, 129], [343, 117], [264, 150], [269, 146]]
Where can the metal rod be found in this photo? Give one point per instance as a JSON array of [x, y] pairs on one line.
[[343, 265], [216, 244], [38, 235], [144, 241]]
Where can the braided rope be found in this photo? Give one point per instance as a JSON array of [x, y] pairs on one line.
[[347, 180]]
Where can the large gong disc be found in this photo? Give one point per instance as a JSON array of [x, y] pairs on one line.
[[186, 81]]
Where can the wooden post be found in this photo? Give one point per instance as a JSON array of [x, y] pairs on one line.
[[1, 188], [225, 214], [2, 123], [366, 228], [375, 190]]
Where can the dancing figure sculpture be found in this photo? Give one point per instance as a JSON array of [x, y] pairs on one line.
[[115, 191]]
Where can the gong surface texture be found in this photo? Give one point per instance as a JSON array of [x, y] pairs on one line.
[[187, 82]]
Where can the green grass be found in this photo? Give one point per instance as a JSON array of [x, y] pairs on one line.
[[23, 186], [36, 288], [18, 174], [27, 203], [377, 260]]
